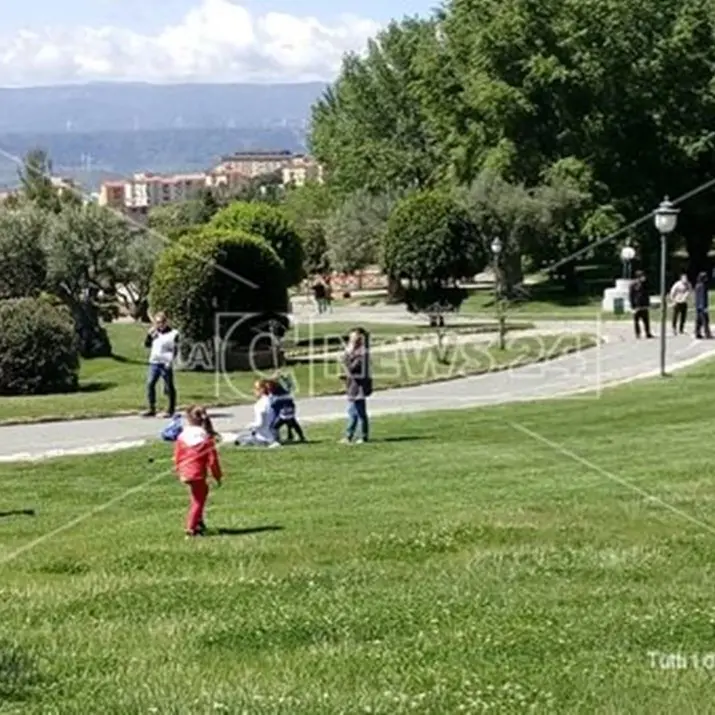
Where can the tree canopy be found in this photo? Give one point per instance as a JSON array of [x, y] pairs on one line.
[[271, 224], [605, 105]]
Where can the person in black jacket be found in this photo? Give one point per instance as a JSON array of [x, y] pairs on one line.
[[702, 307], [640, 305]]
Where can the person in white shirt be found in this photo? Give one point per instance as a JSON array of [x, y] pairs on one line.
[[260, 432], [163, 342], [679, 295]]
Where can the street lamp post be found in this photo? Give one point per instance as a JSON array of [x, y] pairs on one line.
[[496, 252], [666, 219], [628, 253]]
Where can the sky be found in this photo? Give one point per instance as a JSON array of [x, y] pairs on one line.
[[46, 42]]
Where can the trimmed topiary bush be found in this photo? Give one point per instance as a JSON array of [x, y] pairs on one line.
[[248, 290], [431, 241], [270, 223], [39, 354]]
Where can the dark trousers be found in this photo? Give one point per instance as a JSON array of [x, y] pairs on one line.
[[157, 371], [357, 415], [702, 324], [641, 315], [680, 312], [293, 426]]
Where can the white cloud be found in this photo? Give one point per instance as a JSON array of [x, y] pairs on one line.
[[218, 41]]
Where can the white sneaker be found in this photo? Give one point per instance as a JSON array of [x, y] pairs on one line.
[[273, 445]]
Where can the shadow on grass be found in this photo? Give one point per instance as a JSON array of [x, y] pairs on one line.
[[96, 386], [403, 438], [17, 512], [128, 361], [246, 531]]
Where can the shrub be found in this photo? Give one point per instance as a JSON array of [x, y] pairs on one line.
[[270, 223], [431, 241], [224, 273], [38, 348]]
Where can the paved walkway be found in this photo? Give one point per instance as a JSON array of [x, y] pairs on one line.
[[619, 358]]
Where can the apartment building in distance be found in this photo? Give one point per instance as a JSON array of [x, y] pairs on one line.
[[252, 164], [143, 191], [302, 169]]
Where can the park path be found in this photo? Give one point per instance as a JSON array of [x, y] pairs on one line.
[[619, 358]]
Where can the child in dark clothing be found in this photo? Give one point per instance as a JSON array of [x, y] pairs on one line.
[[284, 407]]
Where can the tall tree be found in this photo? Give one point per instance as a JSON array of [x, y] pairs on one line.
[[86, 260], [370, 130], [354, 231], [36, 180], [308, 206], [23, 264], [598, 80]]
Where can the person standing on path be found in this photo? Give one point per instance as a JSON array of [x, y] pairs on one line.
[[679, 294], [358, 385], [319, 295], [702, 307], [640, 305], [163, 342]]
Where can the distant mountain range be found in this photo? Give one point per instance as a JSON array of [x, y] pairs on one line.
[[142, 107], [99, 131]]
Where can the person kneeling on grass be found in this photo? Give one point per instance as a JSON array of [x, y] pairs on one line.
[[284, 411], [195, 458], [260, 433]]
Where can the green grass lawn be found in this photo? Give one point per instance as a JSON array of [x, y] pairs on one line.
[[458, 564], [116, 385]]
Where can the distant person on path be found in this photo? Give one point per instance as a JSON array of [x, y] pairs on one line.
[[195, 458], [260, 432], [319, 295], [284, 409], [702, 307], [358, 385], [328, 295], [679, 294], [163, 342], [640, 305]]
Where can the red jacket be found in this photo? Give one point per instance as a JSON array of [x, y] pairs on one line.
[[195, 456]]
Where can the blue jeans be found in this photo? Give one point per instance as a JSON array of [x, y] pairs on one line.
[[357, 414], [157, 371]]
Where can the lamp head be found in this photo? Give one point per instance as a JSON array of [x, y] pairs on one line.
[[628, 253], [666, 217], [496, 246]]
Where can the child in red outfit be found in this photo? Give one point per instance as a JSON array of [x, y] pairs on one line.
[[195, 458]]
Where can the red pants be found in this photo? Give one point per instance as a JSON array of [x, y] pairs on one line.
[[199, 494]]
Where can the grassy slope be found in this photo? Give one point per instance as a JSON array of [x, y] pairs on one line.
[[114, 386], [454, 564]]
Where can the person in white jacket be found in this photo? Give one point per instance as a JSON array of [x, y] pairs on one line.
[[679, 294], [260, 432]]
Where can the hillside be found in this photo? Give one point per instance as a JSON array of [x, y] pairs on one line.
[[145, 107]]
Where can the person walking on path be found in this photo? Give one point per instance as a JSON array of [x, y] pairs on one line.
[[679, 294], [163, 342], [358, 385], [702, 307], [640, 305]]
